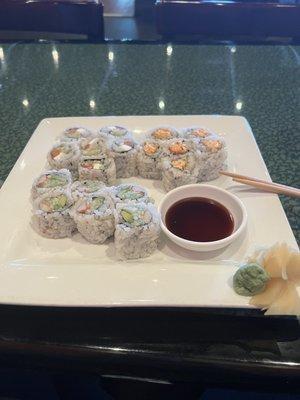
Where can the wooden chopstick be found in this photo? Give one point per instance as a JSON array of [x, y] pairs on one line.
[[264, 185]]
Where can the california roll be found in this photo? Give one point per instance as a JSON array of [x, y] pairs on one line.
[[137, 230], [65, 155], [84, 188], [124, 151], [75, 134], [127, 192], [94, 216], [102, 169], [51, 180], [51, 214]]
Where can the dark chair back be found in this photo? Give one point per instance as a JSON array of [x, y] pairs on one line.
[[228, 18], [56, 16]]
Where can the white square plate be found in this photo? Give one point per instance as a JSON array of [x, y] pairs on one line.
[[72, 272]]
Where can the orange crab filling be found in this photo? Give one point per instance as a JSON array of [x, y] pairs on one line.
[[150, 148], [179, 164], [178, 148], [213, 145], [162, 133]]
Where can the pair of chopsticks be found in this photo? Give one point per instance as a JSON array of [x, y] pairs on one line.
[[264, 185]]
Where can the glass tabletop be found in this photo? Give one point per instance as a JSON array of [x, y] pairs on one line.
[[39, 80]]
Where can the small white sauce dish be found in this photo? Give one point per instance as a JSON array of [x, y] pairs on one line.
[[231, 202]]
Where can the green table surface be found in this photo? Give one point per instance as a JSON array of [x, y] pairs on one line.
[[262, 83]]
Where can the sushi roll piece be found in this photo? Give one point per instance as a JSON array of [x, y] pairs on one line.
[[80, 189], [75, 134], [124, 152], [51, 214], [130, 192], [179, 171], [162, 133], [148, 159], [51, 180], [109, 133], [92, 147], [196, 133], [137, 230], [94, 216], [65, 155], [102, 169], [212, 155], [177, 148]]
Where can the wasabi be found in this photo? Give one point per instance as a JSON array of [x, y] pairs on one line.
[[250, 279]]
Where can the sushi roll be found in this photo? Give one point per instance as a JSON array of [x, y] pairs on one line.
[[177, 148], [92, 147], [179, 171], [94, 216], [51, 214], [109, 133], [74, 134], [65, 155], [148, 159], [137, 230], [212, 156], [84, 188], [196, 133], [162, 133], [129, 192], [124, 152], [51, 180], [102, 169]]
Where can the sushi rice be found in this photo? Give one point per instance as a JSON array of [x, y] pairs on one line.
[[149, 159], [94, 216], [196, 133], [124, 151], [212, 155], [102, 169], [75, 134], [84, 188], [51, 180], [51, 214], [162, 133], [92, 147], [129, 192], [179, 171], [65, 155], [177, 147], [109, 133], [137, 230]]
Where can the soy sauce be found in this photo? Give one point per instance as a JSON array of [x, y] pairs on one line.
[[199, 219]]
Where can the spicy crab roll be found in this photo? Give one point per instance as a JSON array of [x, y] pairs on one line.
[[177, 147], [94, 216], [102, 169], [84, 188], [51, 214], [51, 180], [92, 147], [109, 133], [137, 230], [162, 133], [130, 192], [212, 155], [148, 159], [76, 133], [179, 171], [65, 155], [196, 133], [124, 152]]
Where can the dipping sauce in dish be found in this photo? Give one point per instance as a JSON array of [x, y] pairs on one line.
[[199, 219]]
